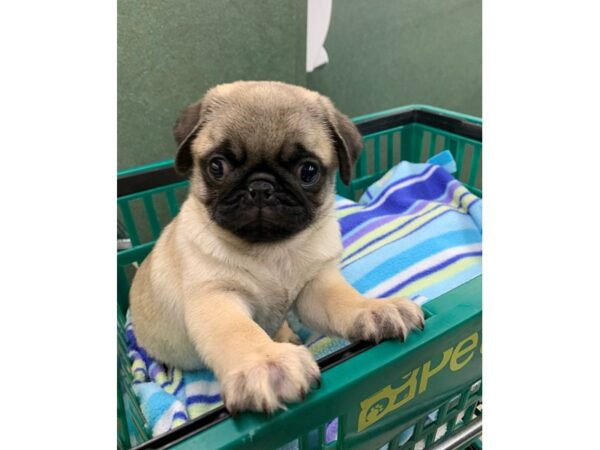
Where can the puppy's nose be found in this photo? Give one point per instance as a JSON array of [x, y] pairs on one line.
[[261, 190]]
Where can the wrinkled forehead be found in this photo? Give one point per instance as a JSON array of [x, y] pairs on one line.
[[266, 127]]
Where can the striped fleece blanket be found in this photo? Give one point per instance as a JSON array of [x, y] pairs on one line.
[[416, 232]]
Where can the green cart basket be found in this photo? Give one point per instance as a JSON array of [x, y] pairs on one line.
[[424, 393]]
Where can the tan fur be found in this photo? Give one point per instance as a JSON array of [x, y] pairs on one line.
[[281, 107], [204, 297], [331, 305], [286, 334]]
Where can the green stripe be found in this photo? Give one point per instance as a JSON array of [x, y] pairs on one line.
[[460, 156], [406, 148], [135, 254], [432, 141], [362, 164], [304, 442], [475, 164], [377, 150], [172, 202], [446, 143], [136, 414], [122, 431], [320, 436], [390, 152], [417, 144], [122, 344], [342, 427], [129, 222], [152, 216]]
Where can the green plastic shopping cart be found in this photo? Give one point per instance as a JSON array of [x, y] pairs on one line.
[[421, 394]]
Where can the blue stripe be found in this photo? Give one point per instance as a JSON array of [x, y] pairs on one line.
[[397, 202], [432, 174], [179, 415], [428, 272], [166, 383], [401, 200], [442, 286], [169, 375], [351, 205], [133, 346], [400, 180], [405, 224], [418, 205], [201, 398], [460, 199], [399, 262], [378, 221], [446, 223], [179, 387]]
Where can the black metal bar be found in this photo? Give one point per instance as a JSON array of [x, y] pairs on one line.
[[130, 184], [386, 122], [451, 124]]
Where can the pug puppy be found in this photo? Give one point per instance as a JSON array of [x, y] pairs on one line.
[[256, 237]]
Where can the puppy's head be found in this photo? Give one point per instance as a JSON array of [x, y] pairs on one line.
[[262, 156]]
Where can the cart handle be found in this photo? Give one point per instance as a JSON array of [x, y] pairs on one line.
[[464, 436]]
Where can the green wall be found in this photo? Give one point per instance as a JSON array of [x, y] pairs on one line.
[[388, 53], [383, 53], [171, 51]]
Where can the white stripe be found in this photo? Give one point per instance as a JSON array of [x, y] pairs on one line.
[[402, 185], [420, 267], [202, 387], [344, 202], [165, 422]]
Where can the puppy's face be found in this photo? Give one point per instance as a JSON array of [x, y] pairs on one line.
[[263, 193], [262, 157]]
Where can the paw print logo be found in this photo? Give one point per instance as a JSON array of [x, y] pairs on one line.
[[376, 407], [375, 410]]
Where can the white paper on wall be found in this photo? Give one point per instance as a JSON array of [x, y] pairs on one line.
[[318, 18]]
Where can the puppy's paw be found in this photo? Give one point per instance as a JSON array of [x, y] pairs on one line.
[[389, 318], [264, 381]]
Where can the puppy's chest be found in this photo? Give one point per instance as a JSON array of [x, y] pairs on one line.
[[273, 286]]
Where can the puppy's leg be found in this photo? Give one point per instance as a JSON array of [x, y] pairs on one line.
[[254, 372], [286, 334], [330, 305]]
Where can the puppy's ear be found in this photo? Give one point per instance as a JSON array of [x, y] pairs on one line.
[[185, 130], [347, 139]]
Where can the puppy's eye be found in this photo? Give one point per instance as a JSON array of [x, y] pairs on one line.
[[218, 167], [308, 172]]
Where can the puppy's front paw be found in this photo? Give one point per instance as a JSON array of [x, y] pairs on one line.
[[264, 380], [389, 318]]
